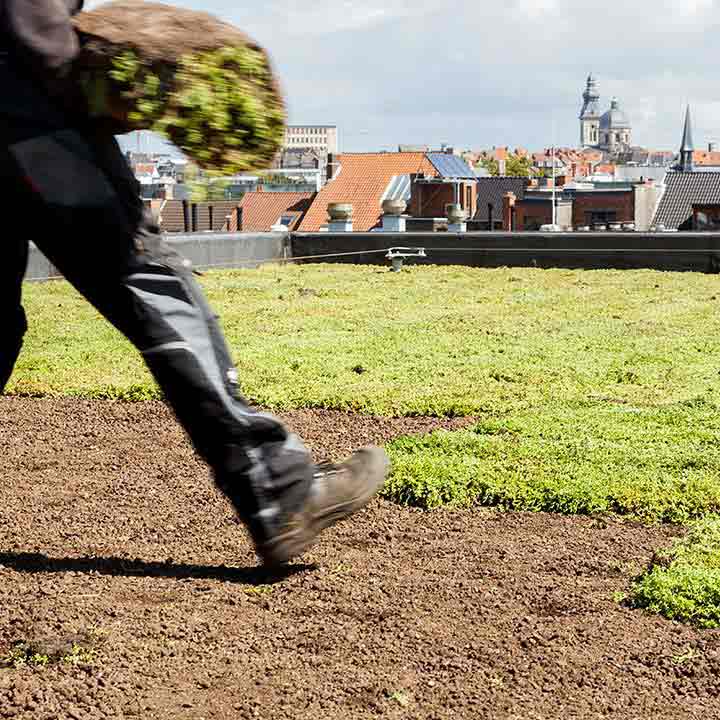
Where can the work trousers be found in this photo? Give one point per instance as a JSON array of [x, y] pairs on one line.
[[72, 193]]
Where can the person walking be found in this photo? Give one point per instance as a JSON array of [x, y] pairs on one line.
[[65, 185]]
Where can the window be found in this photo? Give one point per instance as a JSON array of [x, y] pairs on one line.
[[287, 220]]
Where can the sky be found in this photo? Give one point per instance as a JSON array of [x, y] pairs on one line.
[[483, 73]]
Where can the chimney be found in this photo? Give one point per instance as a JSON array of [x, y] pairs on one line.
[[457, 217], [186, 215], [508, 208], [393, 219], [332, 166], [340, 217]]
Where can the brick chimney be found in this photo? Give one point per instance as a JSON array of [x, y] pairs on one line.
[[508, 209], [332, 166]]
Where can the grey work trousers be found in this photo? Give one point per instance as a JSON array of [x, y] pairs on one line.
[[72, 193]]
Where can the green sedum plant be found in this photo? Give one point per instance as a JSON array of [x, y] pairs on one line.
[[216, 106], [653, 464], [683, 582], [24, 654], [183, 73]]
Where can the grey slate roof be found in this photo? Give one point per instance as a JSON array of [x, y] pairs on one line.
[[682, 190], [492, 189]]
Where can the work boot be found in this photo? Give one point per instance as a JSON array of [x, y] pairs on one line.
[[336, 492]]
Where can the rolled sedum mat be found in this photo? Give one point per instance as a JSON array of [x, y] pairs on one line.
[[197, 80]]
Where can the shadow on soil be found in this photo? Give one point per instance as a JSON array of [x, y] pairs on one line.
[[122, 567]]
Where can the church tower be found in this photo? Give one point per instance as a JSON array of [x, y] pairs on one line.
[[687, 147], [590, 115]]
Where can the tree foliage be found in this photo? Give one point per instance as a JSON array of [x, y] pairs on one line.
[[518, 165], [491, 165]]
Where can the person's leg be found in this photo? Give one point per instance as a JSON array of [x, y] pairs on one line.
[[91, 231], [12, 268], [90, 228]]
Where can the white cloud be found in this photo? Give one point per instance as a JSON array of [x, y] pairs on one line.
[[482, 72], [326, 17]]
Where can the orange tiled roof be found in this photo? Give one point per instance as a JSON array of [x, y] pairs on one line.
[[144, 168], [606, 168], [362, 180], [705, 157], [262, 210], [592, 155]]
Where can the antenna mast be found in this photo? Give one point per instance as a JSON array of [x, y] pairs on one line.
[[554, 209]]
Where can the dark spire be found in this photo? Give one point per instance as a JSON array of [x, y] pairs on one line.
[[687, 147], [590, 99]]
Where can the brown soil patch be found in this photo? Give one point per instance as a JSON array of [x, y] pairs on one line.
[[109, 527]]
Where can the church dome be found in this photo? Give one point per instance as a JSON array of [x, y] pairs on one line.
[[614, 118]]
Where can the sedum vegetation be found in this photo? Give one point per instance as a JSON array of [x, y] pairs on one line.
[[594, 392], [651, 464], [428, 341], [683, 582], [220, 107]]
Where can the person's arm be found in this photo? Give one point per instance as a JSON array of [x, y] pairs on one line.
[[43, 38]]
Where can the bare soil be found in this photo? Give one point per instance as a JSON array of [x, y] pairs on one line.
[[112, 536]]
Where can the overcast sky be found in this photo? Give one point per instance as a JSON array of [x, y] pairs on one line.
[[487, 72]]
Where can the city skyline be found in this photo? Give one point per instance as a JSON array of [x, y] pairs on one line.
[[440, 71]]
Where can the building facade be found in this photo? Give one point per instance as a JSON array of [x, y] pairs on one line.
[[610, 131], [591, 205], [323, 138]]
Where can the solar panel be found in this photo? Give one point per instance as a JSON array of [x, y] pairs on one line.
[[451, 166]]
